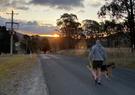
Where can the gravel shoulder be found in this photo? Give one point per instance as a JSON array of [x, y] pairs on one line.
[[34, 84]]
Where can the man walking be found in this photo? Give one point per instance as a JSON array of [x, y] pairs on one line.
[[97, 56]]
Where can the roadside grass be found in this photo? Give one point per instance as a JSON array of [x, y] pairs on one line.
[[12, 70], [122, 57], [76, 52]]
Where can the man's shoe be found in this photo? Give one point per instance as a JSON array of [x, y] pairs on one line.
[[99, 83]]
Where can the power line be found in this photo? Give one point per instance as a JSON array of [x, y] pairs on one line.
[[12, 30]]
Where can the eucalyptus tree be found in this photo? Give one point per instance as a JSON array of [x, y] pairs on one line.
[[69, 27], [121, 9], [90, 27], [68, 24]]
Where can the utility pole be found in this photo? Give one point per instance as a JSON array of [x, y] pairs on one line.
[[11, 30]]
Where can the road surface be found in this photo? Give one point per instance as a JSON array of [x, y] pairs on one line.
[[69, 76]]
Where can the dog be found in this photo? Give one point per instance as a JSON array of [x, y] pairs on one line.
[[106, 69]]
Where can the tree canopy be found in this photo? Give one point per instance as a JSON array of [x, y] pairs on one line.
[[68, 24], [121, 9], [90, 26]]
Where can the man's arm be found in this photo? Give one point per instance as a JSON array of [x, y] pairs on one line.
[[91, 52], [105, 54]]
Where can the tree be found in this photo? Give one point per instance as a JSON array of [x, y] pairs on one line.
[[90, 27], [30, 44], [121, 9], [68, 24], [25, 44], [112, 28], [69, 27], [44, 45]]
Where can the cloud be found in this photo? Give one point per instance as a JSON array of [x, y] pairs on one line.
[[81, 11], [21, 4], [2, 21], [22, 8], [59, 4], [17, 4], [34, 28], [24, 4], [4, 1], [95, 3], [31, 27]]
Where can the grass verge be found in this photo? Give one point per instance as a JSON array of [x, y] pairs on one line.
[[121, 56], [12, 70]]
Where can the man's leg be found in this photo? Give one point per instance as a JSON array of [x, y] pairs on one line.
[[93, 71], [99, 75]]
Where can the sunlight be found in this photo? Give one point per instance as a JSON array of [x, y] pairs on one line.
[[47, 35], [56, 35]]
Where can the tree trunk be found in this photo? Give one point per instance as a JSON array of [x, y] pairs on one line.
[[132, 28]]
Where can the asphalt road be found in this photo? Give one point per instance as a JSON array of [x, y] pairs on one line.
[[69, 76]]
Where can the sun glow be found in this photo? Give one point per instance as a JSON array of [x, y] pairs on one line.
[[47, 35]]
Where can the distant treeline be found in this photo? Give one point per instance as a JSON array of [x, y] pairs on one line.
[[36, 44], [119, 39], [21, 43]]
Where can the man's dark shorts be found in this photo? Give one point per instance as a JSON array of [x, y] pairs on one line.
[[97, 64]]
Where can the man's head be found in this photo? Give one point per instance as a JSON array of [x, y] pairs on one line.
[[97, 41]]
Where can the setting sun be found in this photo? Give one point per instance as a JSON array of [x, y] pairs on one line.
[[53, 35]]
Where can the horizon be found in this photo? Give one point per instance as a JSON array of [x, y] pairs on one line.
[[39, 16]]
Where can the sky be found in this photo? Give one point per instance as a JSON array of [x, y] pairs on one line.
[[39, 16]]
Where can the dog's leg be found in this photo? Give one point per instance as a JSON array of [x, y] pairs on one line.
[[106, 74], [109, 70]]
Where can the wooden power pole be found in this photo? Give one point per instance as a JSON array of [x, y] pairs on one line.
[[11, 30]]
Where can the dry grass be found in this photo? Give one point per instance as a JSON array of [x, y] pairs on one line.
[[12, 70], [8, 64], [77, 52], [121, 56]]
